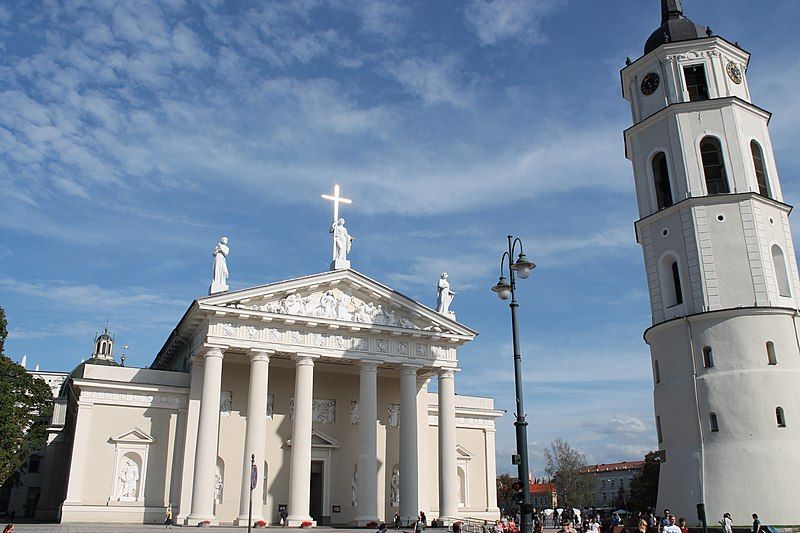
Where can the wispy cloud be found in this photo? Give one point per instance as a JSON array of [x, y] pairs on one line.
[[495, 21]]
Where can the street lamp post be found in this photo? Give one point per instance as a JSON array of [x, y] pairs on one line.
[[505, 289]]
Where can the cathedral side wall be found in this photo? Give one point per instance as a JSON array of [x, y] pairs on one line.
[[101, 473]]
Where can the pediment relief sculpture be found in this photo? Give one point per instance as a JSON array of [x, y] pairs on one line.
[[336, 305]]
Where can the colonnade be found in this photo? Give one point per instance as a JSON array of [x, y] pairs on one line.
[[202, 501]]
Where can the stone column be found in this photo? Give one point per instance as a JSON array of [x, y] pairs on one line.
[[300, 461], [448, 476], [409, 460], [205, 460], [368, 444], [255, 436]]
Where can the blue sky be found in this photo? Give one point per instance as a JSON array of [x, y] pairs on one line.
[[134, 134]]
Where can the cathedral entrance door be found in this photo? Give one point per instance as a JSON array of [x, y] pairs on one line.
[[316, 491]]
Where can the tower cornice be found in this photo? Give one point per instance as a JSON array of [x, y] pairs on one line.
[[727, 312], [708, 200], [687, 107]]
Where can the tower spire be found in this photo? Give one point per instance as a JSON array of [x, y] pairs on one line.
[[670, 10]]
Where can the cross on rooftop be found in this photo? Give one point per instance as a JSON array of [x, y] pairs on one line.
[[336, 199]]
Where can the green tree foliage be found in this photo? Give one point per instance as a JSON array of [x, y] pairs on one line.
[[25, 406], [504, 482], [644, 487], [563, 463]]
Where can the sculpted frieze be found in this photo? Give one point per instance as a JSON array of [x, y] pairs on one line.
[[322, 411], [337, 305]]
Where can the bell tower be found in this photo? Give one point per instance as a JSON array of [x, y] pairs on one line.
[[722, 277]]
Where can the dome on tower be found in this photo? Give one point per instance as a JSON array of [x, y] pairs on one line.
[[102, 355], [674, 27]]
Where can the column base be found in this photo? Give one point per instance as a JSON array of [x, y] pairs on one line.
[[297, 521], [446, 521], [193, 520], [364, 521], [242, 520]]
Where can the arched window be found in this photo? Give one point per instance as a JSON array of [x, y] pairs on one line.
[[661, 180], [761, 169], [773, 359], [658, 429], [781, 274], [714, 166], [676, 281], [708, 357], [712, 419], [781, 418], [656, 371], [670, 277]]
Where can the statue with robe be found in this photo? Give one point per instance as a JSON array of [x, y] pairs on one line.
[[444, 297], [342, 240], [128, 477], [219, 272], [394, 488]]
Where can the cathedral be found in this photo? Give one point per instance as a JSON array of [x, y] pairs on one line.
[[308, 395], [722, 278]]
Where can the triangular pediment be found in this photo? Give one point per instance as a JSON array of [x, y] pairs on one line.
[[463, 453], [342, 296], [320, 440], [133, 436]]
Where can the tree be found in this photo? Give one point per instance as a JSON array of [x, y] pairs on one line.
[[564, 463], [504, 482], [644, 487], [25, 406]]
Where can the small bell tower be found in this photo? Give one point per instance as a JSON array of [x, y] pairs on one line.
[[721, 274], [104, 346]]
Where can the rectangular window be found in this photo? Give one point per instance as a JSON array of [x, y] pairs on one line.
[[696, 83]]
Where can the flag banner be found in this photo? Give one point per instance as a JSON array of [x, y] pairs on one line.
[[253, 477]]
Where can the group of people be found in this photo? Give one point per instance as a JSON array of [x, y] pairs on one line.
[[668, 523]]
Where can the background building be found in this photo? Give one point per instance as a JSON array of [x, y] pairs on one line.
[[611, 483]]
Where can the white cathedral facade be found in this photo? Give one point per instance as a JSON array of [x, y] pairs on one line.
[[722, 278], [322, 380]]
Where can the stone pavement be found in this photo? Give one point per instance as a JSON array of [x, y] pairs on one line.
[[128, 528]]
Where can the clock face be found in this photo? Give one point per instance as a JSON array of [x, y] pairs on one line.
[[650, 84], [734, 72]]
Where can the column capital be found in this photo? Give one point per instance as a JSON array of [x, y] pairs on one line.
[[304, 359], [409, 369], [447, 373], [369, 364], [211, 350], [260, 354]]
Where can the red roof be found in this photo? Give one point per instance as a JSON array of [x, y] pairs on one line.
[[542, 487], [611, 467]]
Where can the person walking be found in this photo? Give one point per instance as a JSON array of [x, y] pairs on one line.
[[756, 524], [419, 525], [168, 517], [726, 523], [396, 520]]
